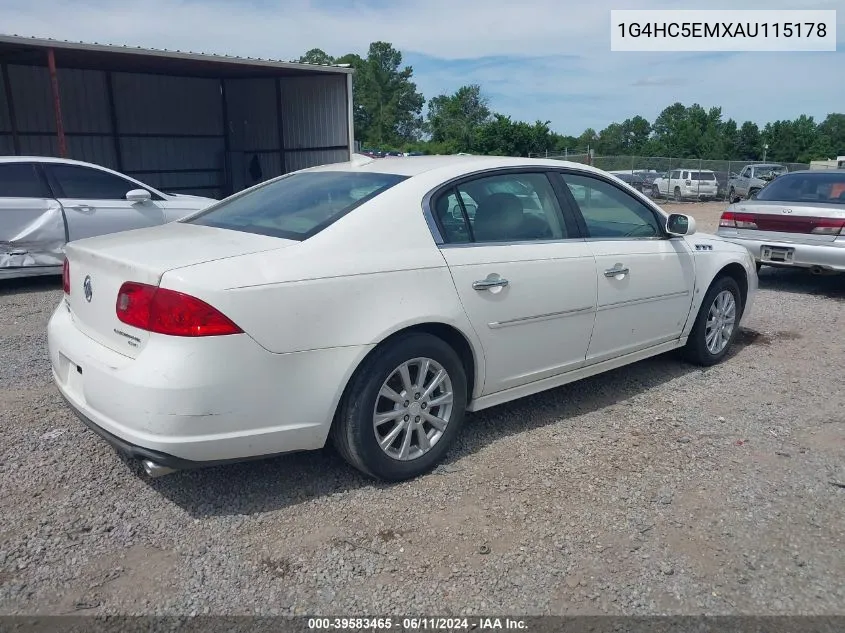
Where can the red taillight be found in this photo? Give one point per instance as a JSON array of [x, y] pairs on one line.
[[727, 219], [169, 312], [828, 226], [66, 277], [737, 220]]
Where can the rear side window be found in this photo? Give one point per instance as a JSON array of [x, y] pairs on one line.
[[298, 206], [21, 180], [703, 175]]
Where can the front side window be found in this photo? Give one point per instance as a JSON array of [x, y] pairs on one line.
[[676, 175], [20, 180], [502, 208], [297, 206], [610, 212], [86, 183]]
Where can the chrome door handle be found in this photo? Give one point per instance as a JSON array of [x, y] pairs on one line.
[[80, 207], [612, 272], [490, 282]]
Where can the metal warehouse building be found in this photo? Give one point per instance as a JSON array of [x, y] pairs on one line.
[[183, 122]]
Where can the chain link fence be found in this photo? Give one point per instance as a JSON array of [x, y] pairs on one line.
[[651, 174]]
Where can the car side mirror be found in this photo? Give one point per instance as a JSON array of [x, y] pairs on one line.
[[679, 224], [138, 195]]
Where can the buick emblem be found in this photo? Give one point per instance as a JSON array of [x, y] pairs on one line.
[[86, 286]]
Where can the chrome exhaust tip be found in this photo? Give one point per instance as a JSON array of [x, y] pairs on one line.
[[156, 470]]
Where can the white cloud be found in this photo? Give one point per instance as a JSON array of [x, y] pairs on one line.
[[591, 90]]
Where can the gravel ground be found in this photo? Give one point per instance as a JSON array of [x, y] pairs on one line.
[[657, 488]]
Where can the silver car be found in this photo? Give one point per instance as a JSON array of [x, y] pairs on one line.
[[796, 221], [47, 202]]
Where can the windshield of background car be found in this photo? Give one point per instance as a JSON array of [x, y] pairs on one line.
[[298, 206], [807, 187], [703, 175]]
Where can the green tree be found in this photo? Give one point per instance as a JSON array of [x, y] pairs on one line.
[[748, 144], [316, 56], [390, 106], [831, 141], [456, 118]]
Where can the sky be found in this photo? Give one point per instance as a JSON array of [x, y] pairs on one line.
[[546, 60]]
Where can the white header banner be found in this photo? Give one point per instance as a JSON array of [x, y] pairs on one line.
[[722, 31]]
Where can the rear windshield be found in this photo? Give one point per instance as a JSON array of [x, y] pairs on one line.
[[297, 206], [703, 175], [806, 187]]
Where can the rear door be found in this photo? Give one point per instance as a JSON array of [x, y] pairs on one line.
[[525, 277], [95, 201], [32, 228], [645, 280]]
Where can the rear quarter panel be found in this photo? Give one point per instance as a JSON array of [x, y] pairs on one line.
[[371, 274]]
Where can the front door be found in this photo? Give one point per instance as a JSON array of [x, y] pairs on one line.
[[645, 279], [527, 283], [95, 201]]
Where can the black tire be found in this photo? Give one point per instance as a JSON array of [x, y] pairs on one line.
[[678, 197], [353, 434], [732, 197], [759, 266], [696, 349]]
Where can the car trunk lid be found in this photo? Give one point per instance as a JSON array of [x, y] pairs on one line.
[[99, 266], [819, 222]]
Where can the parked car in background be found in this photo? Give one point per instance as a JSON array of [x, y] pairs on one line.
[[796, 221], [684, 184], [348, 303], [47, 202], [723, 179], [752, 178], [633, 179]]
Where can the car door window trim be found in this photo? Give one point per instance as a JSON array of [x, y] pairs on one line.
[[564, 192], [574, 234]]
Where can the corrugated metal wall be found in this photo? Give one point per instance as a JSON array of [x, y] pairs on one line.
[[314, 121], [7, 145], [169, 131]]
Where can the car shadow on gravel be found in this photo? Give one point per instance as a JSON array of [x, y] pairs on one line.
[[271, 484], [30, 284], [802, 282]]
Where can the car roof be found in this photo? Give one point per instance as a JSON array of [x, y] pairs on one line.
[[458, 164], [46, 159], [814, 171]]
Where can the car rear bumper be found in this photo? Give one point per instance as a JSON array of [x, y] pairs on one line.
[[186, 402], [829, 255]]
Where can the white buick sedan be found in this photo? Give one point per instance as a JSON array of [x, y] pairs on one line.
[[374, 303]]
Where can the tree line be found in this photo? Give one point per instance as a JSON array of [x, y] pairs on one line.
[[388, 114]]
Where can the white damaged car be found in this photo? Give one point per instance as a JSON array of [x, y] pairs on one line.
[[362, 303], [47, 202]]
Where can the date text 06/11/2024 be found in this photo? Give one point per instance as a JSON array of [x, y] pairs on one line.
[[415, 624]]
